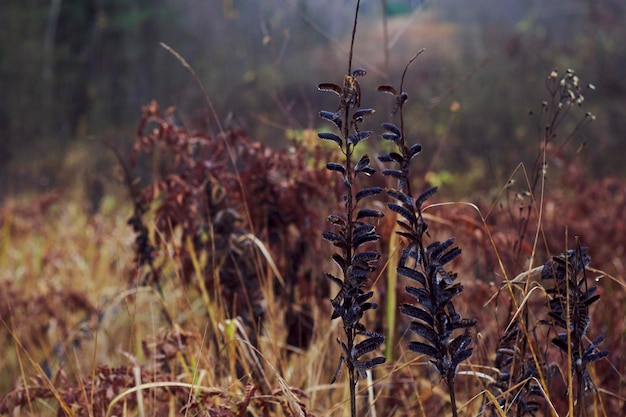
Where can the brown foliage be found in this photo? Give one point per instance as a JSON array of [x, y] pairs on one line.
[[215, 189], [48, 320]]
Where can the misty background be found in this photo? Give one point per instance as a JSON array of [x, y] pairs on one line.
[[76, 72]]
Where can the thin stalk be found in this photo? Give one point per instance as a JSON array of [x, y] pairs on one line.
[[356, 18], [353, 378], [349, 211], [452, 398]]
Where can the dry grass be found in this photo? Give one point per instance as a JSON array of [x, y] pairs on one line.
[[69, 314], [200, 306]]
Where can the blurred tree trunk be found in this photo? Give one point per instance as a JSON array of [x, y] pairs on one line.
[[48, 55], [75, 43]]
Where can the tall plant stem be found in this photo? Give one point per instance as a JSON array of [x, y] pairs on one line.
[[356, 19], [353, 377], [452, 398]]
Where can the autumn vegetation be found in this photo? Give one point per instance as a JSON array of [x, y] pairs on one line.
[[217, 275]]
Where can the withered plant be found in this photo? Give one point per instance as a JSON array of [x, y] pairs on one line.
[[516, 386], [569, 305], [434, 317], [524, 373], [200, 205], [557, 124], [353, 232], [229, 219]]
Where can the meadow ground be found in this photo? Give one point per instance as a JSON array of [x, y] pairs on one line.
[[88, 330]]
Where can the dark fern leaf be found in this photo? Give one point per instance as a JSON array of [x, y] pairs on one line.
[[422, 296], [392, 137], [369, 333], [588, 300], [396, 157], [400, 196], [363, 239], [328, 115], [460, 343], [360, 299], [352, 316], [338, 309], [503, 364], [334, 279], [364, 229], [334, 88], [592, 353], [335, 239], [385, 158], [425, 196], [461, 355], [387, 89], [595, 343], [337, 220], [369, 213], [573, 263], [394, 173], [345, 352], [331, 136], [409, 236], [425, 331], [415, 150], [560, 342], [363, 162], [407, 214], [580, 320], [424, 349], [449, 256], [332, 117], [339, 260], [435, 318], [347, 184], [593, 357], [551, 270], [366, 256], [332, 166], [417, 313], [364, 166], [435, 249], [369, 171], [459, 352], [363, 366], [369, 306], [463, 324], [366, 346], [359, 327], [392, 128], [368, 266], [442, 275], [358, 272], [358, 137], [337, 371], [411, 273], [360, 114]]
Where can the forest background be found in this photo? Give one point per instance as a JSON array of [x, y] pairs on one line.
[[74, 73], [111, 271]]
